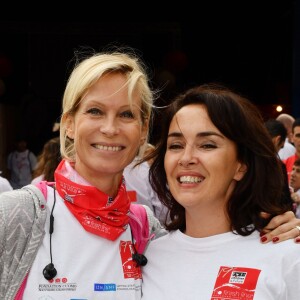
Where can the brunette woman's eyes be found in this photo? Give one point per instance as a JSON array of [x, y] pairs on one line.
[[174, 146], [208, 146], [203, 146]]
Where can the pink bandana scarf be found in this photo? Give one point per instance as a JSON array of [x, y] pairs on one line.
[[97, 212]]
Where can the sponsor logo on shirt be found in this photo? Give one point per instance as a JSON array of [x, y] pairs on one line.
[[236, 283]]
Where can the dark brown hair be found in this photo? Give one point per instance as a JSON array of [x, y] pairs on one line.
[[241, 122]]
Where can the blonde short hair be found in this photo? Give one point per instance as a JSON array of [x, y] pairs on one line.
[[87, 72]]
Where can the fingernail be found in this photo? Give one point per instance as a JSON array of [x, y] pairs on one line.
[[263, 239], [297, 240], [275, 239]]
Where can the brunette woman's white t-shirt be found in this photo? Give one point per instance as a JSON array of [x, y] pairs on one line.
[[88, 266], [224, 266]]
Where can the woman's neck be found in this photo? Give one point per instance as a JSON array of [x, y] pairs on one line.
[[206, 224]]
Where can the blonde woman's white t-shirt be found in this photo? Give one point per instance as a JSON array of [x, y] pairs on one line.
[[88, 266]]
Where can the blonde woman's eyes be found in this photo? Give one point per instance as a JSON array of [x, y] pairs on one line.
[[98, 112], [94, 111], [127, 114]]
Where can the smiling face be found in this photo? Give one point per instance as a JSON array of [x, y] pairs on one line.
[[200, 162], [295, 178], [107, 132]]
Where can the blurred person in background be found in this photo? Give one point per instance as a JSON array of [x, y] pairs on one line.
[[289, 162], [288, 148], [4, 184], [295, 185], [48, 161], [137, 181], [278, 134], [20, 164]]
